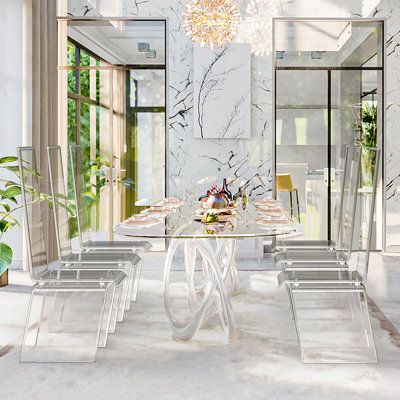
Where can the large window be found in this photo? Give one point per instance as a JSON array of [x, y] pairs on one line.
[[112, 77], [88, 109]]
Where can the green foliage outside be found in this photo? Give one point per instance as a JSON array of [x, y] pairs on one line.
[[368, 138], [94, 171]]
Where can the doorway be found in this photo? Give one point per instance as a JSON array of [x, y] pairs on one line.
[[113, 102]]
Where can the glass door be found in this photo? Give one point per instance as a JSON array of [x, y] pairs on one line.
[[302, 168], [328, 94]]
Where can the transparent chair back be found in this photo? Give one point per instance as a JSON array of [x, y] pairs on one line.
[[338, 197], [69, 312], [349, 200], [367, 197], [332, 319], [77, 169], [63, 208], [31, 201]]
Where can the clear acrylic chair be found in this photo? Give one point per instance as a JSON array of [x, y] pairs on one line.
[[71, 311], [330, 307], [63, 214], [77, 169], [324, 245], [339, 252]]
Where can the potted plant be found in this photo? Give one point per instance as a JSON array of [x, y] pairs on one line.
[[368, 137], [8, 205], [10, 189]]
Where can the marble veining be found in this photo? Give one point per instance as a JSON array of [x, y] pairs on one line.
[[222, 92], [191, 159]]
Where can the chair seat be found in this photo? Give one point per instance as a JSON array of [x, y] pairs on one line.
[[82, 279], [309, 256], [324, 266], [320, 278], [306, 244], [117, 245], [101, 259]]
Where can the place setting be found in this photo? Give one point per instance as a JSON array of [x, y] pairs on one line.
[[151, 216]]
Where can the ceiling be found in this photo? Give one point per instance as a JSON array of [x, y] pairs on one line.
[[318, 35], [117, 41]]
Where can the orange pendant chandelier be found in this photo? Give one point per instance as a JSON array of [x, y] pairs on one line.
[[211, 23]]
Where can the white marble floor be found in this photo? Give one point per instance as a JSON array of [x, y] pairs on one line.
[[142, 362]]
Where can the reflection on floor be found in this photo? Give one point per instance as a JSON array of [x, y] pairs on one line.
[[141, 360]]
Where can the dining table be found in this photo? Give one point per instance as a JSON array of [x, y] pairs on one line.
[[209, 251]]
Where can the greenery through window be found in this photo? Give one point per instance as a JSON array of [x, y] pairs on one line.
[[84, 110]]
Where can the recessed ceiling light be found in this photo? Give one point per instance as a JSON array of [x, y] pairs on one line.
[[151, 54], [144, 47], [316, 55]]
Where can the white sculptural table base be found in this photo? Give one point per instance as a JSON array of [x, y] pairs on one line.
[[210, 296]]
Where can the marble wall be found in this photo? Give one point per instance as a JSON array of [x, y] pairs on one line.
[[390, 10], [191, 159]]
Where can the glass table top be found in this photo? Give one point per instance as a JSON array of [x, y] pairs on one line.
[[180, 223]]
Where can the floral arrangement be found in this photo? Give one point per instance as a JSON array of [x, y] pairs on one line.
[[210, 216], [216, 198]]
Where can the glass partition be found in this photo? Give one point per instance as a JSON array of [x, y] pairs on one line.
[[328, 94], [145, 127], [301, 143]]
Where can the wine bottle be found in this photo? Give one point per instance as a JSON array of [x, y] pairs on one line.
[[226, 191], [244, 199]]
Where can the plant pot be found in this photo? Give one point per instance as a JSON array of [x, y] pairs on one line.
[[4, 279]]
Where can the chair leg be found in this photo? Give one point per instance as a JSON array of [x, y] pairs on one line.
[[294, 314], [130, 288], [105, 325], [363, 299], [128, 283], [333, 325], [124, 297], [298, 204], [137, 278], [120, 304], [72, 338], [29, 330], [114, 310]]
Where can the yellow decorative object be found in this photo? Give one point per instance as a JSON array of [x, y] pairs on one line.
[[210, 216], [211, 23]]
